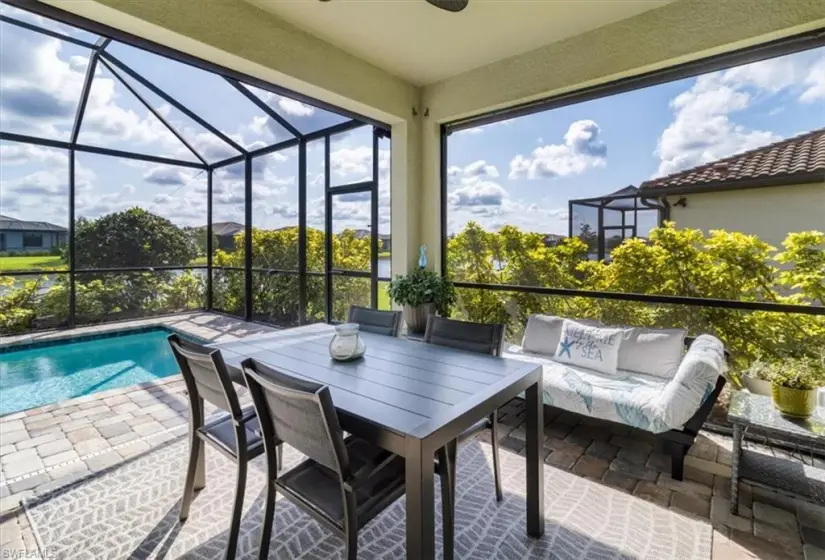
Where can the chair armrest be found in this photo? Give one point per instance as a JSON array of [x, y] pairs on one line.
[[689, 340], [695, 380]]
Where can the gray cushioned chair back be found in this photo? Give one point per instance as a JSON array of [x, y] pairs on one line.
[[297, 412], [375, 321], [205, 374], [484, 338]]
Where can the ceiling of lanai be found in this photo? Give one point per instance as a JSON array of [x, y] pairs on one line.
[[423, 44]]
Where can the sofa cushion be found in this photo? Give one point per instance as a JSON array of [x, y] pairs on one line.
[[543, 332], [643, 401], [653, 351], [625, 397], [595, 348]]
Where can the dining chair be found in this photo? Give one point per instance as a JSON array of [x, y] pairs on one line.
[[344, 482], [474, 337], [234, 433], [375, 321]]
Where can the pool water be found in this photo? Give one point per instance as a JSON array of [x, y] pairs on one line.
[[39, 374]]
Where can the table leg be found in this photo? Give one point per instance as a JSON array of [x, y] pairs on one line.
[[535, 466], [738, 432], [420, 501]]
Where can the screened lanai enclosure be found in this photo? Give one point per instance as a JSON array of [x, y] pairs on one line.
[[179, 185], [603, 223]]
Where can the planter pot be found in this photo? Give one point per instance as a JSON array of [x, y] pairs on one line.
[[794, 402], [757, 386], [416, 317]]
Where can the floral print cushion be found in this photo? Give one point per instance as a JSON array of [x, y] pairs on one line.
[[639, 400]]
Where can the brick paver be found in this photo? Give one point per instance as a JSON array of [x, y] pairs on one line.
[[53, 445]]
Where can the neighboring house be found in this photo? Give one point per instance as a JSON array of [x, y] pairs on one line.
[[22, 236], [768, 192], [225, 232], [384, 239], [384, 242], [553, 239]]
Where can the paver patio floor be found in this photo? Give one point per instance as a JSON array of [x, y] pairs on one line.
[[55, 445]]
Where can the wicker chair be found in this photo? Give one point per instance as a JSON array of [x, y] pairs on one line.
[[234, 433], [344, 483], [375, 321], [473, 337]]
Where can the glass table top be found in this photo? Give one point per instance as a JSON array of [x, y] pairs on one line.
[[757, 411]]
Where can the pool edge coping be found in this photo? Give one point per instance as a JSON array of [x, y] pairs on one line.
[[99, 328], [166, 321]]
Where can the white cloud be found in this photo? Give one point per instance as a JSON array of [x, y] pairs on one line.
[[703, 128], [478, 168], [350, 161], [21, 154], [582, 150], [357, 161], [478, 193], [167, 175], [474, 130], [295, 108], [482, 128], [815, 83]]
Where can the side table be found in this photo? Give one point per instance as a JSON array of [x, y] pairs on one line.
[[750, 411]]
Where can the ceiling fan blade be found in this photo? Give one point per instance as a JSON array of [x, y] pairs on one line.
[[450, 5]]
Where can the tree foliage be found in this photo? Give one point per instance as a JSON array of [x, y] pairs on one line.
[[275, 296], [132, 238], [680, 262]]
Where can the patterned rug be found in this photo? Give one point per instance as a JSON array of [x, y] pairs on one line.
[[131, 512]]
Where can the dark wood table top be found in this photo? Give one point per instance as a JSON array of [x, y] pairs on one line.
[[411, 388]]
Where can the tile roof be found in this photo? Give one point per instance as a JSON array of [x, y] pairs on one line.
[[226, 228], [782, 161], [7, 223]]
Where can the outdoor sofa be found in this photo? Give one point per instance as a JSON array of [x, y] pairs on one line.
[[661, 381]]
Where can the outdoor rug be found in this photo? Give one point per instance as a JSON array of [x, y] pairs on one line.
[[131, 511]]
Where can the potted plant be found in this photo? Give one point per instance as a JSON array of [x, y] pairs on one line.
[[422, 293], [795, 384], [757, 378]]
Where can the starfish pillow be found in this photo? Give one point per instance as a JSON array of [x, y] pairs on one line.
[[590, 347]]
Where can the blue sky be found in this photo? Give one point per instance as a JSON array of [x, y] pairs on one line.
[[40, 85], [520, 172], [524, 171]]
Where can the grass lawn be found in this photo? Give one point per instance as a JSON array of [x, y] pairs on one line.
[[48, 262], [383, 296]]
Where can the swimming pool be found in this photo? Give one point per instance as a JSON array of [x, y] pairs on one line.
[[41, 373]]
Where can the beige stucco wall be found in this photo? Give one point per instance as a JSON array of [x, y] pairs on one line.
[[238, 35], [769, 213]]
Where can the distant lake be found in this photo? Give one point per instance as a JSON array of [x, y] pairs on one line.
[[384, 267]]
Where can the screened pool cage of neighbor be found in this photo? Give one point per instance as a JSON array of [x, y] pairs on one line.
[[603, 223], [285, 220]]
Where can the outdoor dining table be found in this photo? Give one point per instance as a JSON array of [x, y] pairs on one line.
[[410, 398]]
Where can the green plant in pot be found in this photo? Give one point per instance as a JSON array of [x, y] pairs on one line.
[[422, 293], [757, 377], [794, 385]]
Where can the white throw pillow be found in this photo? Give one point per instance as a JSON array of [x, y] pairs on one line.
[[652, 351], [543, 332], [595, 348]]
